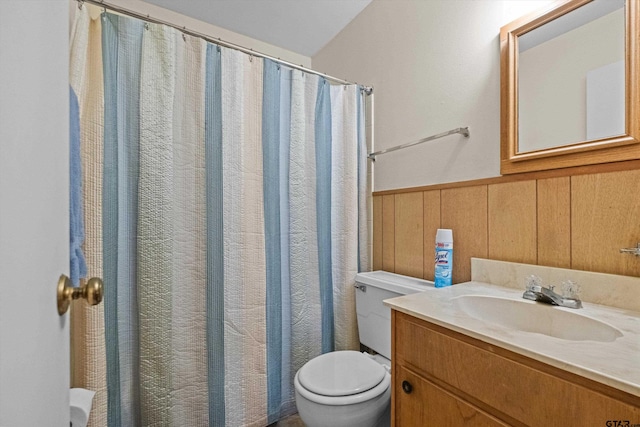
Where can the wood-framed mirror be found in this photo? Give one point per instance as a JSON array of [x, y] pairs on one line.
[[584, 112]]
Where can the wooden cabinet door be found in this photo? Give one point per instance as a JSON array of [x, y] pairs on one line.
[[420, 403]]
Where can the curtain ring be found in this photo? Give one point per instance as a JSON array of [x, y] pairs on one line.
[[184, 37], [80, 4]]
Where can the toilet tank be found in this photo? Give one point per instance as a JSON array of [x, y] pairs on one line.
[[374, 318]]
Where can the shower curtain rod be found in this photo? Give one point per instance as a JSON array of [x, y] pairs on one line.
[[464, 131], [368, 90]]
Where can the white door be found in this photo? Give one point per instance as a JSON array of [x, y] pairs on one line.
[[34, 225]]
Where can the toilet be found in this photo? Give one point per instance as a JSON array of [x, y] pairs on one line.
[[349, 388]]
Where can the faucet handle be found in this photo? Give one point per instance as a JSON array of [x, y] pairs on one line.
[[570, 289], [532, 281]]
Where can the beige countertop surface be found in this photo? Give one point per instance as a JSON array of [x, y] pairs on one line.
[[615, 363]]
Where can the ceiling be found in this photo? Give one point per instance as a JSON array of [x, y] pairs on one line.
[[301, 26]]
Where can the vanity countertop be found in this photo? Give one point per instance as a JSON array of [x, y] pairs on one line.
[[615, 363]]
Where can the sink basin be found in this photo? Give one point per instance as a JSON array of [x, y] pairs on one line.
[[535, 317]]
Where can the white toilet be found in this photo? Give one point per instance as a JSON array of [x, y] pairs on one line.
[[349, 388]]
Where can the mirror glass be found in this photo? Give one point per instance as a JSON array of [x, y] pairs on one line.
[[571, 78]]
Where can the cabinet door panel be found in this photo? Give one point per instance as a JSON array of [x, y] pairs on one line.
[[429, 405]]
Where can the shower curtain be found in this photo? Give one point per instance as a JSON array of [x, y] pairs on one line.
[[232, 222]]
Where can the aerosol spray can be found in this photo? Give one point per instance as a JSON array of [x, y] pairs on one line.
[[444, 257]]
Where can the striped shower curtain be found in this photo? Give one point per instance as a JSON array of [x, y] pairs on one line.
[[232, 223]]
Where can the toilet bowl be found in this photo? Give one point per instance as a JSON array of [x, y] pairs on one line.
[[344, 389], [348, 388]]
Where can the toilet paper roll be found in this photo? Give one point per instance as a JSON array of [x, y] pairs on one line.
[[80, 400]]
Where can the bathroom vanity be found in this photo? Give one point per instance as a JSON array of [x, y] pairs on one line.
[[452, 366], [441, 377]]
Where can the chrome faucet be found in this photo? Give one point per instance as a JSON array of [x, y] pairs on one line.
[[536, 292]]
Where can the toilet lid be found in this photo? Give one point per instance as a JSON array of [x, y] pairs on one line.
[[341, 373]]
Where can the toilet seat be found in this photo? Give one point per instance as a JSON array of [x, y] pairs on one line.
[[342, 378], [341, 373]]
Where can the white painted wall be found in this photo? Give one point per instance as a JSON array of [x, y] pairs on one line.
[[212, 31], [435, 66]]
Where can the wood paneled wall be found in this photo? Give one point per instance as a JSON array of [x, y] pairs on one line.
[[578, 221]]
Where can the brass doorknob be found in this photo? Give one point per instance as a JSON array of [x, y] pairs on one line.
[[92, 291]]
